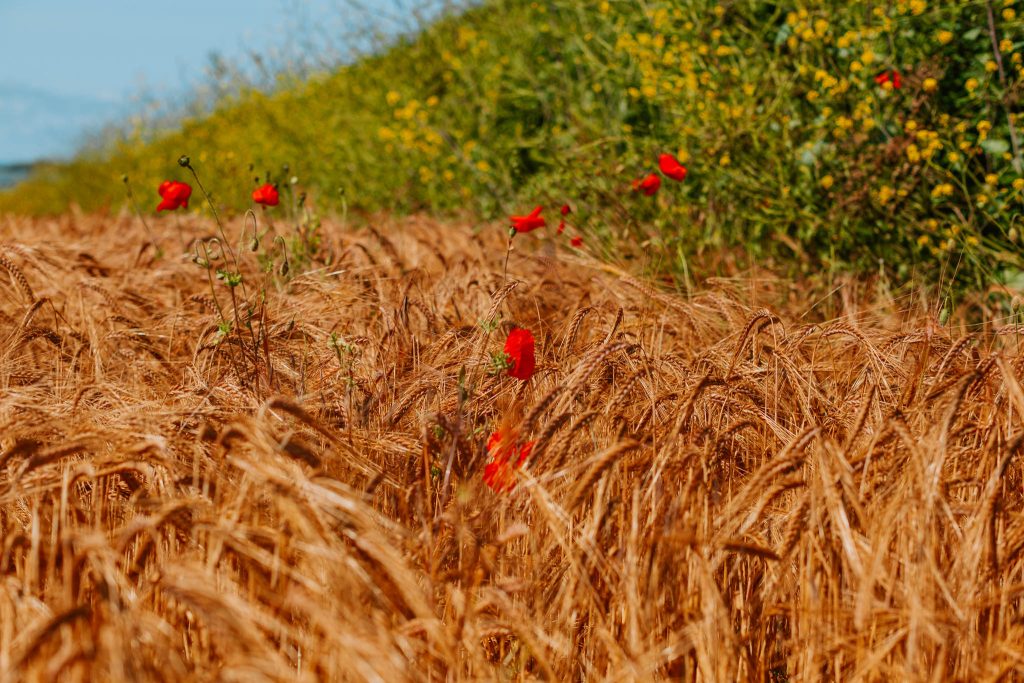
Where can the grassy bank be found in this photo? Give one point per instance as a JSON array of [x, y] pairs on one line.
[[825, 137]]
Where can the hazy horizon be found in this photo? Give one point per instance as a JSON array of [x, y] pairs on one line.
[[67, 68]]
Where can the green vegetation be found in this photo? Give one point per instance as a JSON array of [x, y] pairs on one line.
[[799, 146]]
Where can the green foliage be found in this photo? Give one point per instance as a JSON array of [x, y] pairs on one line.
[[796, 151]]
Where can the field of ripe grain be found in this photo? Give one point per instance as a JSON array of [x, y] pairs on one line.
[[722, 487]]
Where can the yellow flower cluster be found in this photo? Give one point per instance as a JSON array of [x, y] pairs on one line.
[[413, 134]]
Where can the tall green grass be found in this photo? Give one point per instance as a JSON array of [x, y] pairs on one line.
[[796, 152]]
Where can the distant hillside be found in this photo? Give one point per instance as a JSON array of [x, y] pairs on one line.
[[881, 137], [38, 123], [11, 174]]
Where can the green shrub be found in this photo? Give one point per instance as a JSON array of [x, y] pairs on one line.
[[796, 150]]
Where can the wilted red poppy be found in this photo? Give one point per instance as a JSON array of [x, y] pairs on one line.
[[173, 195], [565, 210], [576, 241], [529, 222], [506, 457], [266, 195], [649, 185], [671, 167], [519, 349]]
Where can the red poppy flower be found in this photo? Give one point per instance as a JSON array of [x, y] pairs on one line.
[[649, 185], [671, 167], [576, 241], [561, 227], [565, 210], [890, 77], [173, 195], [266, 195], [519, 349], [529, 222], [506, 457]]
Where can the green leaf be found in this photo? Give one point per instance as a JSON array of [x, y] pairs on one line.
[[995, 146], [784, 33]]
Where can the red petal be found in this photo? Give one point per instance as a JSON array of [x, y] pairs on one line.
[[519, 347], [671, 167]]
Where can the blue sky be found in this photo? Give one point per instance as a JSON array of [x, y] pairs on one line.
[[68, 66]]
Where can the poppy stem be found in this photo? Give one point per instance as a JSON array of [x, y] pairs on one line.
[[185, 162], [135, 206], [504, 272]]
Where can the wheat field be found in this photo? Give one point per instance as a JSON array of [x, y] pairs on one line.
[[724, 486]]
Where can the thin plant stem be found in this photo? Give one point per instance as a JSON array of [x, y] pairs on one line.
[[1002, 81], [508, 250], [138, 212]]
